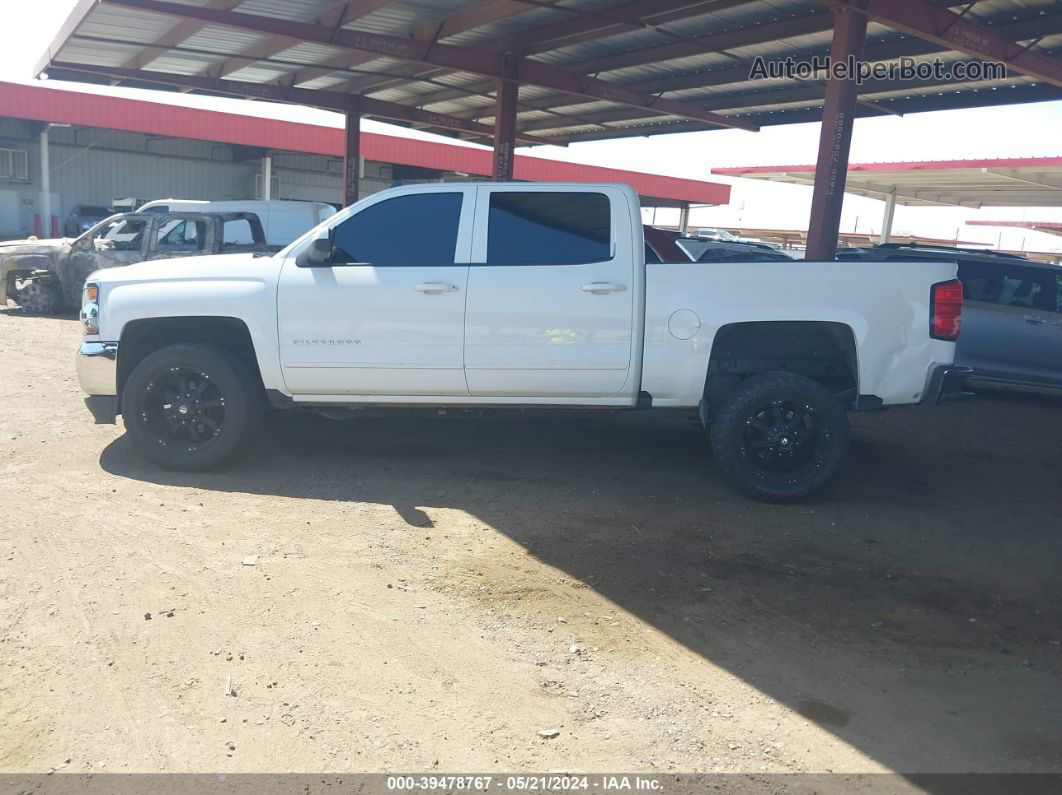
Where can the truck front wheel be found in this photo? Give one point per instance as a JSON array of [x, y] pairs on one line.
[[189, 407], [38, 297], [779, 436]]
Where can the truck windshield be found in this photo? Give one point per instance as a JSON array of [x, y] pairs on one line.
[[118, 234]]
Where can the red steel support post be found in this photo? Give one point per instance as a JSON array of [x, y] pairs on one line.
[[352, 153], [505, 130], [835, 137]]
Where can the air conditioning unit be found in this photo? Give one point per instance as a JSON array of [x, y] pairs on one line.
[[14, 165]]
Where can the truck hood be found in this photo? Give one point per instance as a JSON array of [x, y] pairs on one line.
[[210, 266], [33, 246], [29, 241]]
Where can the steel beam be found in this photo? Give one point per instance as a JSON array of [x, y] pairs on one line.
[[932, 22], [330, 100], [352, 151], [505, 130], [469, 59], [835, 136], [46, 184], [886, 220], [267, 177]]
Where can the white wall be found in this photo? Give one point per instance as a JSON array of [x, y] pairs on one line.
[[90, 166]]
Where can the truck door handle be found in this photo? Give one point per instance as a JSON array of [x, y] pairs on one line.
[[436, 288], [601, 288], [1036, 321]]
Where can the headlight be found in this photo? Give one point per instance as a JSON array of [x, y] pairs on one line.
[[90, 309]]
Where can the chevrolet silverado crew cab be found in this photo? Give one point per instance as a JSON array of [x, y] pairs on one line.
[[461, 296]]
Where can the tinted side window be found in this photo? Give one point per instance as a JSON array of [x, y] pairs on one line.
[[418, 230], [548, 228], [1028, 287], [981, 282], [1007, 284]]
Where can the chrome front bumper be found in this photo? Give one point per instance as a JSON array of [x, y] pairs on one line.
[[97, 371]]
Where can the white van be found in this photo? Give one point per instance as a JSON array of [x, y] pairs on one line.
[[282, 221], [172, 206]]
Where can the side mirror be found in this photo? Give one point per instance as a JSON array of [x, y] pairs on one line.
[[317, 255]]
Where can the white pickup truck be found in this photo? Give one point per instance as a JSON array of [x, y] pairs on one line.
[[516, 295]]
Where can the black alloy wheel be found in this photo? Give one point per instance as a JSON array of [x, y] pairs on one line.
[[190, 406], [779, 436]]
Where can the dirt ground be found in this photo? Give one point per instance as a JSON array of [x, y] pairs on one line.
[[430, 594]]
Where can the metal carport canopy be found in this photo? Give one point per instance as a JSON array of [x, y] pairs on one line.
[[997, 182], [559, 71], [1048, 227]]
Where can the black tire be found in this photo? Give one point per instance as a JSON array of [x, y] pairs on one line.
[[189, 407], [779, 437], [38, 297]]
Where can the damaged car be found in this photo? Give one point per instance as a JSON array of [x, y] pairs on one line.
[[44, 276]]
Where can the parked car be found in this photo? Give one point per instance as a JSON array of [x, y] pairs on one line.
[[515, 295], [702, 250], [83, 217], [713, 233], [661, 246], [1012, 311], [173, 206], [42, 276], [666, 245], [283, 220]]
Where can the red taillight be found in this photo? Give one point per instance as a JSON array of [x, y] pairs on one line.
[[945, 313]]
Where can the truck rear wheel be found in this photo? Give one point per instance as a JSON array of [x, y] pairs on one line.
[[189, 407], [779, 436]]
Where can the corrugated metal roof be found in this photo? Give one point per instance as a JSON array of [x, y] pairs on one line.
[[694, 53]]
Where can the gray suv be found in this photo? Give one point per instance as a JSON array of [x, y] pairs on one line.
[[1012, 311]]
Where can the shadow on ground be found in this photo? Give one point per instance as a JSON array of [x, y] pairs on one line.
[[913, 609]]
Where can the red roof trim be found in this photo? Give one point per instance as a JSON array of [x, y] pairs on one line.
[[920, 165], [154, 118]]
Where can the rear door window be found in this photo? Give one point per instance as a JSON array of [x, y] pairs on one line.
[[237, 232], [1009, 284], [542, 228]]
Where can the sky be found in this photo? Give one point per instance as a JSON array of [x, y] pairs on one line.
[[1005, 131]]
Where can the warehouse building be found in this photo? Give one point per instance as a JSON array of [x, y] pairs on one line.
[[108, 151]]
